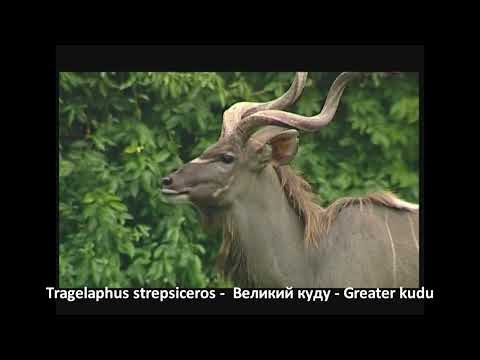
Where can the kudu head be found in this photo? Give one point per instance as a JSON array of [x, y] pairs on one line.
[[253, 137]]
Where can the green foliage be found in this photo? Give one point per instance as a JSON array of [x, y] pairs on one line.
[[121, 132]]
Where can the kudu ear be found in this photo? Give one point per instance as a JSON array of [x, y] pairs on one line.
[[275, 144]]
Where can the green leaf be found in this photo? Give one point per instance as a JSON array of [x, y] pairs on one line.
[[162, 156], [146, 179], [158, 252], [134, 188], [66, 168], [127, 216], [200, 249], [145, 230], [130, 149], [128, 248], [88, 198], [118, 206]]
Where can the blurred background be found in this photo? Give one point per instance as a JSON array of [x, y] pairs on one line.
[[119, 133]]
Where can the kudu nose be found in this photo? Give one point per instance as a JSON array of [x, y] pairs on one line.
[[167, 181]]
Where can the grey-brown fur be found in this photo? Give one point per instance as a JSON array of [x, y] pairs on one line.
[[348, 242]]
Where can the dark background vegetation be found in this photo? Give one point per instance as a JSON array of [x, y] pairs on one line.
[[119, 133]]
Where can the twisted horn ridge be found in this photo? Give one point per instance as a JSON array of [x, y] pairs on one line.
[[235, 115], [287, 99], [286, 119]]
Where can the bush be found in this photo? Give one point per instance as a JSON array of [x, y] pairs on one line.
[[121, 132]]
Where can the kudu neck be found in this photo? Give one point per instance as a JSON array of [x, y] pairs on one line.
[[269, 232]]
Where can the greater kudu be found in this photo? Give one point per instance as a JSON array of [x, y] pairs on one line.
[[275, 234]]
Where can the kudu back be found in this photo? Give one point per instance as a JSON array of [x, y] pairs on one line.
[[274, 232]]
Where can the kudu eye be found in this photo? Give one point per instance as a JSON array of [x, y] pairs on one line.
[[227, 158]]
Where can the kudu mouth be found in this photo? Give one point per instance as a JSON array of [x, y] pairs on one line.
[[174, 195], [170, 192]]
